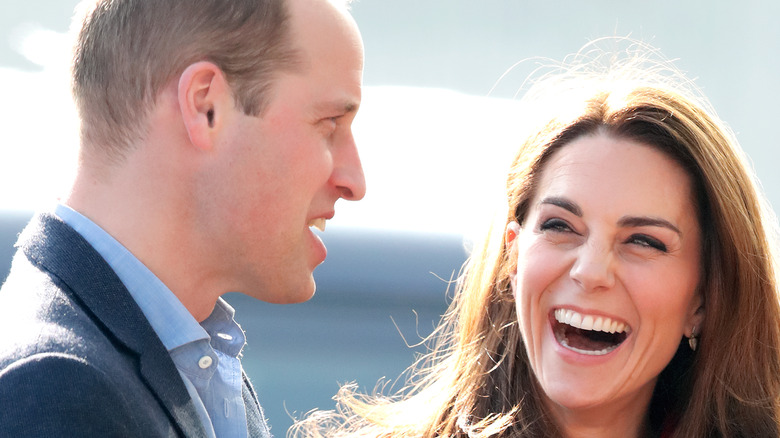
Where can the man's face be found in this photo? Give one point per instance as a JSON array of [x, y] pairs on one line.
[[287, 168]]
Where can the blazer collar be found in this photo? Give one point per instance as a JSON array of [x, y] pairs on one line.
[[57, 248]]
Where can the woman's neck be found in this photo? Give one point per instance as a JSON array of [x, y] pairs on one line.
[[620, 420], [613, 430]]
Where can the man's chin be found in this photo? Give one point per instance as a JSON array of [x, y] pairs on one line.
[[293, 295], [306, 295]]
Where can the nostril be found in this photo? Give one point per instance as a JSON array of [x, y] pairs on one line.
[[353, 189], [347, 194]]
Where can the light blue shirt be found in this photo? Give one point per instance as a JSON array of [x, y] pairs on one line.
[[206, 354]]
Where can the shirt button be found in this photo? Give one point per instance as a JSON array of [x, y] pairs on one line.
[[205, 362]]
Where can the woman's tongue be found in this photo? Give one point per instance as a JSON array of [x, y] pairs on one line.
[[586, 340]]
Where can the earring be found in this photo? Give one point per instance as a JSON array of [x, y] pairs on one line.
[[692, 341]]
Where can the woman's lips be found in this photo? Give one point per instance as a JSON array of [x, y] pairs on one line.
[[591, 335]]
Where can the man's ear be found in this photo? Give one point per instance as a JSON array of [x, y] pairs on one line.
[[204, 97]]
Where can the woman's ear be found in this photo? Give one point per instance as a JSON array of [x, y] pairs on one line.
[[204, 96], [695, 316], [511, 232], [510, 238]]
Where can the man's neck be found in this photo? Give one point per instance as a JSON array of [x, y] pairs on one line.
[[145, 213]]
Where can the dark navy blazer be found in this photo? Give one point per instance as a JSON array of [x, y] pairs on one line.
[[77, 356]]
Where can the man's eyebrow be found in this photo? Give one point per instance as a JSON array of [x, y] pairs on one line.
[[340, 106], [564, 204], [350, 107], [643, 221]]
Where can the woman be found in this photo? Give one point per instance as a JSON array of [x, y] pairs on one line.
[[630, 291]]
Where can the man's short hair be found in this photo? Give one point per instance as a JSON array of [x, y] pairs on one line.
[[128, 50]]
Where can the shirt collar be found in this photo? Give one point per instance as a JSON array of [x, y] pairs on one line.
[[226, 335]]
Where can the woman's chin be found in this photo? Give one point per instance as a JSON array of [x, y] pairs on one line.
[[576, 380]]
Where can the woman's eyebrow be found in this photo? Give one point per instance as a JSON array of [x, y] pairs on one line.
[[626, 221], [642, 221], [564, 204]]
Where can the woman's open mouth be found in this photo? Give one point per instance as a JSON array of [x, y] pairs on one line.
[[587, 334]]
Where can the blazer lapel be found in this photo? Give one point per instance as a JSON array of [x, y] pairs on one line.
[[53, 245], [256, 424]]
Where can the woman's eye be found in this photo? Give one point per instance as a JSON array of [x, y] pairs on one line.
[[647, 242], [557, 225]]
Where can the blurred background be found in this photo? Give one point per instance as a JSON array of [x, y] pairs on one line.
[[435, 143]]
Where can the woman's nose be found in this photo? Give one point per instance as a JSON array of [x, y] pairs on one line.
[[593, 269]]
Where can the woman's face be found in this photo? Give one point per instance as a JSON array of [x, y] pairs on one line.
[[608, 262]]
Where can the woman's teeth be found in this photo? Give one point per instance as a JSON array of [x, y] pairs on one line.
[[318, 224], [587, 334], [588, 322]]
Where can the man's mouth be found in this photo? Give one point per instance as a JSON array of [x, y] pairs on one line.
[[588, 334], [318, 223]]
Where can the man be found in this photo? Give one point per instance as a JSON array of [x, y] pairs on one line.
[[214, 135]]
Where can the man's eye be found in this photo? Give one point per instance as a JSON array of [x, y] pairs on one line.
[[328, 125], [646, 241]]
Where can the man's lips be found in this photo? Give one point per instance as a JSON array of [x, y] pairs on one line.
[[318, 221]]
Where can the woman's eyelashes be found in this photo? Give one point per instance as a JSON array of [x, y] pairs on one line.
[[560, 226], [556, 225], [646, 241]]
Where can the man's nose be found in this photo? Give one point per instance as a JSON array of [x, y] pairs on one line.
[[593, 269], [348, 174]]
